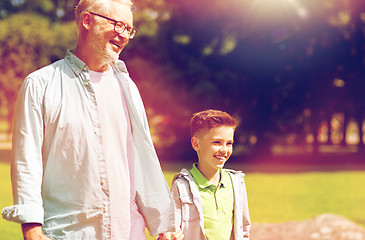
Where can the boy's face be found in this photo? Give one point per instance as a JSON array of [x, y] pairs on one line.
[[214, 147]]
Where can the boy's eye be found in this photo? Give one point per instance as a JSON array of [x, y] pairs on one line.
[[217, 142]]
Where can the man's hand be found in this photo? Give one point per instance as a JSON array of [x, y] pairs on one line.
[[171, 236], [33, 231]]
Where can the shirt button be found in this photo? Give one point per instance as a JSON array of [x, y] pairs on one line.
[[102, 182], [85, 68], [105, 209], [86, 83]]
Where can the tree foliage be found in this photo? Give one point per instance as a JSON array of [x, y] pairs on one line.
[[270, 65], [28, 42]]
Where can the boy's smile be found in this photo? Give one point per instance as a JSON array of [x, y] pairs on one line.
[[214, 147]]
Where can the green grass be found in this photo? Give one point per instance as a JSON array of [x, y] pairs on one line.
[[285, 197], [8, 230], [272, 197]]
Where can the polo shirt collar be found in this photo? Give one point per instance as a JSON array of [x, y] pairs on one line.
[[201, 181]]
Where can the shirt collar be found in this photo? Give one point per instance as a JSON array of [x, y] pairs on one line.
[[75, 63], [201, 181], [119, 66], [78, 66]]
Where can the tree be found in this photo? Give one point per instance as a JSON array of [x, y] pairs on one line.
[[265, 63], [268, 64], [28, 42]]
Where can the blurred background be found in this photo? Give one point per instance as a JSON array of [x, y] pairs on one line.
[[291, 71]]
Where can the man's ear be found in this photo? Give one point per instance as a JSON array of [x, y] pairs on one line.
[[195, 143], [86, 20]]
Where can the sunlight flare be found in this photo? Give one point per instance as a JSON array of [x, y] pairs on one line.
[[276, 6]]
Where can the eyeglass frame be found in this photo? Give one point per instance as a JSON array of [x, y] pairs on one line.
[[131, 31]]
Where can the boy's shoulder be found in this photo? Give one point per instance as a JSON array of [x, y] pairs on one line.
[[183, 181], [231, 171], [183, 174]]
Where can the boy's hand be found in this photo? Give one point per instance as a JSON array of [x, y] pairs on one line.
[[33, 231], [171, 236]]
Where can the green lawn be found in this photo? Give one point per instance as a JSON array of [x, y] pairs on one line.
[[285, 197], [8, 230], [272, 197]]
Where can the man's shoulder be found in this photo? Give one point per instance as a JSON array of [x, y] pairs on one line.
[[120, 67], [47, 71], [40, 78], [120, 64]]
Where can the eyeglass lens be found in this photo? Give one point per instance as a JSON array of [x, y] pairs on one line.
[[120, 28]]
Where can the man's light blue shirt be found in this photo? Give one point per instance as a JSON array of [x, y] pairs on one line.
[[58, 168]]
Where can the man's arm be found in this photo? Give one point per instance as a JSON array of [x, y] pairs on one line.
[[26, 164], [33, 231]]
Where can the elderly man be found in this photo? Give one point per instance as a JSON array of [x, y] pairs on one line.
[[84, 166]]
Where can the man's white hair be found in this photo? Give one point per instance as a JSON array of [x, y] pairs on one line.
[[96, 6]]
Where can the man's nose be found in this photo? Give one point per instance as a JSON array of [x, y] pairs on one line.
[[124, 35]]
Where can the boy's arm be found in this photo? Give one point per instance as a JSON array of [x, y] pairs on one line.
[[246, 216], [178, 213], [178, 235]]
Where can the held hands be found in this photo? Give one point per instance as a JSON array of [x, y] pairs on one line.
[[33, 231], [171, 236]]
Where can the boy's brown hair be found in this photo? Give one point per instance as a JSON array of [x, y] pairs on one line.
[[210, 119]]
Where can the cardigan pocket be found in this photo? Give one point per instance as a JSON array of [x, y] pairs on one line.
[[188, 209]]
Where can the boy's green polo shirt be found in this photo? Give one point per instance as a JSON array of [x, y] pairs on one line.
[[217, 205]]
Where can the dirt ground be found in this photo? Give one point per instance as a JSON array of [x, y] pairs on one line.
[[323, 227]]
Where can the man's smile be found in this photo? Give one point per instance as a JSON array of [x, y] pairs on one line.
[[119, 45]]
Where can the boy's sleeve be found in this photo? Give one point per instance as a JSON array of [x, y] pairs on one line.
[[176, 196], [246, 216]]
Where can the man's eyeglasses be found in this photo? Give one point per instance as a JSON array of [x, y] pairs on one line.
[[119, 26]]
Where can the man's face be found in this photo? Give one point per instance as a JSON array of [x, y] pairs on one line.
[[106, 43], [214, 147]]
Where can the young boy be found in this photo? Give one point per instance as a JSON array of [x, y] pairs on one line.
[[211, 202]]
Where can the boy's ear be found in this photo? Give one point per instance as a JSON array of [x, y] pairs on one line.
[[195, 143]]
